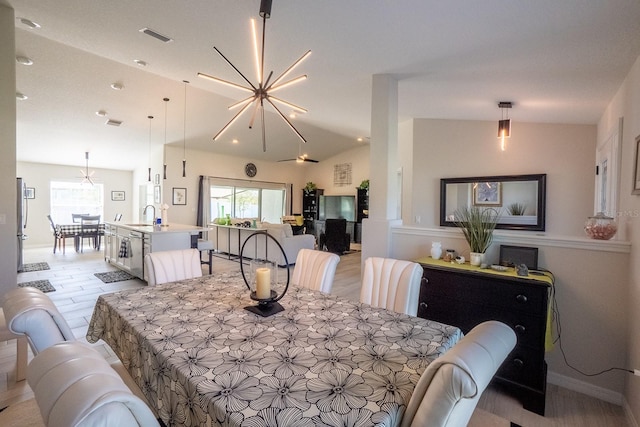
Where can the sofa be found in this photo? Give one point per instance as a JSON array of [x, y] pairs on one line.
[[230, 239]]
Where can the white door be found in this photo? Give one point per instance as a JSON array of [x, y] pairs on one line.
[[608, 173]]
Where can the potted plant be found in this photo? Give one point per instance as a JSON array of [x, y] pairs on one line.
[[516, 209], [364, 185], [310, 187], [477, 226]]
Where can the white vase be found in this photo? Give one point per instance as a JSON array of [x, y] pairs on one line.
[[476, 258], [436, 252]]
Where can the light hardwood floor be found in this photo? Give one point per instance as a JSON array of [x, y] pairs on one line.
[[77, 290]]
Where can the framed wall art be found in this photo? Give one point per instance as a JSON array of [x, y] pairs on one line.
[[179, 196], [487, 194], [117, 196]]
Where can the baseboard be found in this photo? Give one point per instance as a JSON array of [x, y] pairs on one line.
[[628, 414], [585, 388]]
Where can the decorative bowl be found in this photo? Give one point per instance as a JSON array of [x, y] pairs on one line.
[[601, 227]]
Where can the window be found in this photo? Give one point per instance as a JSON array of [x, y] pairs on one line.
[[265, 201], [73, 197]]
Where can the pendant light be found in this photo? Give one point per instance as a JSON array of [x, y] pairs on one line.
[[504, 125], [164, 147], [184, 133], [86, 175], [150, 118]]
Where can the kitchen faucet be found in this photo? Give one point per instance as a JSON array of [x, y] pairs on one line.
[[144, 212]]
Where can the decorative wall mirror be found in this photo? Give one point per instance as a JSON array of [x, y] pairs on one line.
[[519, 199]]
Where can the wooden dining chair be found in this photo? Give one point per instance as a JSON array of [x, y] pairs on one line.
[[315, 270], [392, 284], [89, 225]]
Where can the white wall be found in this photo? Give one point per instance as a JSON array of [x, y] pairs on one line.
[[8, 208], [591, 276], [626, 104], [322, 173], [39, 177]]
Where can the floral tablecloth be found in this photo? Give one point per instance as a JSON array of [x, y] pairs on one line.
[[203, 360]]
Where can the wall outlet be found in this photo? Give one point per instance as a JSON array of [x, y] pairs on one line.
[[417, 219]]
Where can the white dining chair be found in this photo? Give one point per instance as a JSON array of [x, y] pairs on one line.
[[74, 386], [32, 314], [315, 270], [170, 266], [392, 284], [449, 389]]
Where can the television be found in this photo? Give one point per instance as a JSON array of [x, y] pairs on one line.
[[330, 207]]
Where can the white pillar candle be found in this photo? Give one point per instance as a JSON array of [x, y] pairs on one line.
[[263, 283]]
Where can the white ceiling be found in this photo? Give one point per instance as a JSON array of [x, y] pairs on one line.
[[558, 61]]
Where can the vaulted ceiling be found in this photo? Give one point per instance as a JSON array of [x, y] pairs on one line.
[[557, 61]]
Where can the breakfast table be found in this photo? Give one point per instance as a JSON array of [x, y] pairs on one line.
[[75, 230], [201, 359]]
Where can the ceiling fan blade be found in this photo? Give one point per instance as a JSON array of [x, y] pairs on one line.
[[306, 159]]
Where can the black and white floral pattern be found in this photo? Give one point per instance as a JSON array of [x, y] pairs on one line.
[[202, 359]]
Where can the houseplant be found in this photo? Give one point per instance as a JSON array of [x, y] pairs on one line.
[[364, 185], [477, 226], [310, 187]]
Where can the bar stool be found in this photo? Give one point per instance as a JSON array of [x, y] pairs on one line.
[[206, 245], [21, 344]]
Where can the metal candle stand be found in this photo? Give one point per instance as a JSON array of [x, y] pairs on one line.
[[266, 306]]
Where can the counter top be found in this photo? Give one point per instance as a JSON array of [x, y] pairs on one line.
[[152, 229]]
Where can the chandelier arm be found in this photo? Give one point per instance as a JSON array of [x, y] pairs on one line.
[[264, 138], [225, 82], [253, 115], [231, 121], [234, 67], [266, 82], [273, 88], [289, 104], [288, 70], [264, 28], [293, 128], [239, 103], [256, 54]]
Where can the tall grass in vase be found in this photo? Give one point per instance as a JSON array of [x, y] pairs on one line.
[[477, 225]]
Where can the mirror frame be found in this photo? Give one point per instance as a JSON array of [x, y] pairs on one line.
[[541, 180]]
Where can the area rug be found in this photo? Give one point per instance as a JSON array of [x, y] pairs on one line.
[[35, 266], [43, 285], [114, 276]]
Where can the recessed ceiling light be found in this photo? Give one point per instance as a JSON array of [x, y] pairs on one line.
[[21, 96], [235, 141], [292, 115], [140, 62], [155, 35], [24, 60], [101, 113], [117, 86], [29, 23], [360, 139]]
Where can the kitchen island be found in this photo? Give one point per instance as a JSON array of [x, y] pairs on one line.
[[127, 244]]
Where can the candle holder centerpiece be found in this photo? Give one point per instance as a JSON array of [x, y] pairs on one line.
[[264, 277]]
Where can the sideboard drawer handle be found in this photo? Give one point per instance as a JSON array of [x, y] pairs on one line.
[[521, 298], [518, 363], [520, 329], [424, 305]]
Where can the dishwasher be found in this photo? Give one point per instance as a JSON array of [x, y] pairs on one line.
[[136, 258]]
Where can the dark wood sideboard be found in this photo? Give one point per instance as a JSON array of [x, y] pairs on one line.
[[464, 296]]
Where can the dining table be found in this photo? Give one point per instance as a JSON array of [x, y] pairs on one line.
[[75, 230], [201, 359]]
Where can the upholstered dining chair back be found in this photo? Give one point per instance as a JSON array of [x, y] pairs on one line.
[[449, 389], [170, 266], [28, 311], [315, 270], [392, 284], [74, 386]]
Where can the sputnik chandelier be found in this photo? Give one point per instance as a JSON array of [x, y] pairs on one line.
[[86, 175], [264, 90]]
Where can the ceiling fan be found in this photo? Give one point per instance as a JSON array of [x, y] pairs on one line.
[[300, 159]]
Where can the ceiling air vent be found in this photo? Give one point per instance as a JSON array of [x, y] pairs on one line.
[[156, 35], [112, 122]]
